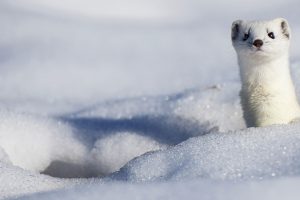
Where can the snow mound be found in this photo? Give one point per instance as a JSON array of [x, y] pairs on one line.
[[15, 181], [255, 153], [111, 153], [32, 143], [51, 146]]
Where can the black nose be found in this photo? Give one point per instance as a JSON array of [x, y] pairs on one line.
[[258, 43]]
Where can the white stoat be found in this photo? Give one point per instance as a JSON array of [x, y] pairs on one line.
[[268, 94]]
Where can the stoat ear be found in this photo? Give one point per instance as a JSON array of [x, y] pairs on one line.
[[285, 28], [235, 29]]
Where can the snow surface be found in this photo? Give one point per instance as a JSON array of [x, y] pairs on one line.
[[192, 189], [136, 100]]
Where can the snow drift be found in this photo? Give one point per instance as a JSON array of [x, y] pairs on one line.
[[255, 153]]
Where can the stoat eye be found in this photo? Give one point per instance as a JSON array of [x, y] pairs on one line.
[[246, 36], [271, 35]]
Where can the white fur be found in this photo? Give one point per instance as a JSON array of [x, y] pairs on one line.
[[267, 95]]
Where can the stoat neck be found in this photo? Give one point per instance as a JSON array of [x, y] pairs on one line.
[[269, 74]]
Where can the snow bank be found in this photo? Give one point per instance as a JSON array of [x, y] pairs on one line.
[[248, 164], [255, 153], [99, 140]]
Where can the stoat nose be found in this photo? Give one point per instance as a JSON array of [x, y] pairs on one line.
[[258, 43]]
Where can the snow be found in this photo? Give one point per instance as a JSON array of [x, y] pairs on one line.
[[15, 181], [42, 141], [241, 155], [192, 189], [135, 100]]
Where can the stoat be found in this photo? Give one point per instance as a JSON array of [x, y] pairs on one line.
[[267, 94]]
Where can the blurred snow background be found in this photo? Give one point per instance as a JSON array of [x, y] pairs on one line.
[[87, 86]]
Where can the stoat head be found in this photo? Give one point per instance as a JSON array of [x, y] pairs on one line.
[[260, 40]]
